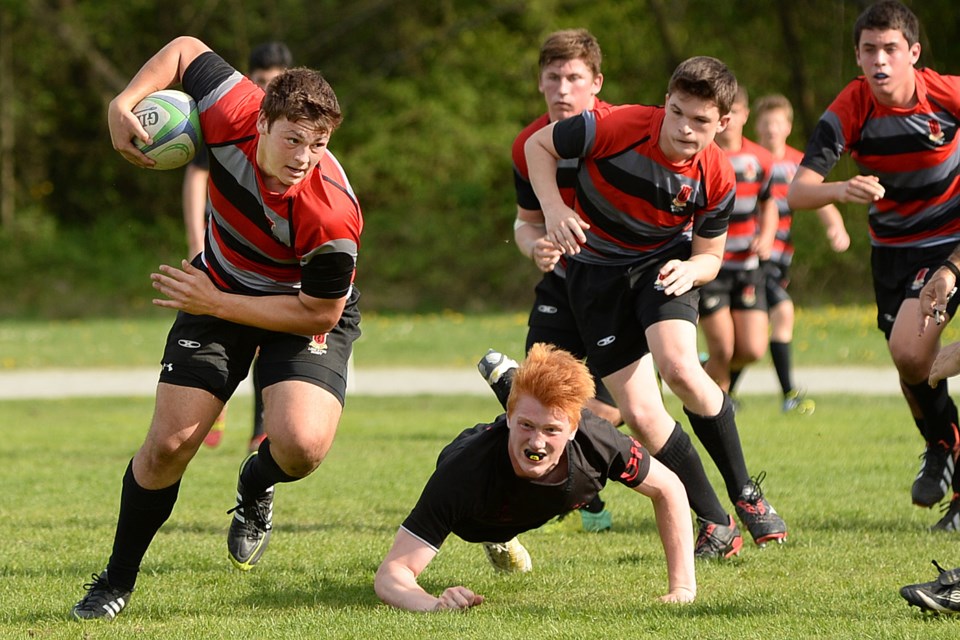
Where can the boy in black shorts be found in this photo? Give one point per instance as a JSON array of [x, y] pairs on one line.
[[545, 457], [276, 275], [654, 193]]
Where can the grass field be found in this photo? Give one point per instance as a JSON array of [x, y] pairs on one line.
[[841, 478]]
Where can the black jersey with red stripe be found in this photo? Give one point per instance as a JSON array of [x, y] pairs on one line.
[[260, 242], [780, 178], [566, 169], [752, 165], [639, 204], [914, 151], [475, 494]]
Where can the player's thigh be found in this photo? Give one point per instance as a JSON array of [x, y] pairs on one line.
[[912, 353], [718, 332], [750, 330]]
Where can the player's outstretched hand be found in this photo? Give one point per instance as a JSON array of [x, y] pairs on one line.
[[188, 289], [862, 189], [458, 598], [124, 127], [946, 364], [680, 595]]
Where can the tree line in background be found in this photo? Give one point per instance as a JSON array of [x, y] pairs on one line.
[[433, 94]]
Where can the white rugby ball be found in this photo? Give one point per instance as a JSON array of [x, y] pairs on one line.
[[172, 120]]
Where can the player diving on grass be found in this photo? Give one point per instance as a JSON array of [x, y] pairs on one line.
[[546, 456]]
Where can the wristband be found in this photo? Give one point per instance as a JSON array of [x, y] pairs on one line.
[[952, 268]]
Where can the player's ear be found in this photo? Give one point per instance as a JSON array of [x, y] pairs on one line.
[[722, 123], [263, 128]]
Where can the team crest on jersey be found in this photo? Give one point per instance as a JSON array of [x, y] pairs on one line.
[[680, 201], [919, 279], [936, 133], [318, 345], [750, 172], [749, 295]]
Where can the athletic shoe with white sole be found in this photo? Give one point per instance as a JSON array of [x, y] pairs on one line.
[[102, 600], [758, 515], [251, 525], [716, 541], [950, 521], [797, 402], [940, 596], [509, 556], [498, 369], [935, 475]]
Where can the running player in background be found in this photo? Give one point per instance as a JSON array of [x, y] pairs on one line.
[[733, 307], [773, 122], [899, 124], [570, 79]]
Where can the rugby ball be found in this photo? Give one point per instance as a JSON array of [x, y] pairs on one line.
[[172, 120]]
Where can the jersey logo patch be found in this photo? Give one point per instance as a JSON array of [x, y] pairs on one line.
[[680, 201], [936, 133]]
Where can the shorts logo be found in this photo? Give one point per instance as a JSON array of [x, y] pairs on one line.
[[936, 133], [318, 345], [919, 279], [749, 295], [680, 201], [606, 342], [189, 344], [166, 366], [889, 317], [546, 308], [711, 302]]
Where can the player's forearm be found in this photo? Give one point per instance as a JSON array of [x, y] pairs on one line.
[[542, 167], [526, 234], [672, 513], [808, 194], [284, 313], [163, 70], [397, 587]]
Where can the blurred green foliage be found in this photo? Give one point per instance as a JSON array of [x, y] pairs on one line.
[[433, 94]]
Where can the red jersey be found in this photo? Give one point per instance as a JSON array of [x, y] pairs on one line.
[[566, 168], [780, 178], [752, 165], [259, 241], [639, 204], [913, 151]]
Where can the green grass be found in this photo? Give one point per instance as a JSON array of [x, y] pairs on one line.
[[824, 335], [841, 478]]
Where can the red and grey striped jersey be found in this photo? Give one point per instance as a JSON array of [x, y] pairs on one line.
[[914, 151], [780, 178], [260, 242], [752, 165], [566, 168], [639, 204]]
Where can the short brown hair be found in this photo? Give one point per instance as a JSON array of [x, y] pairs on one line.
[[773, 102], [706, 78], [302, 94], [554, 378], [572, 44], [887, 15]]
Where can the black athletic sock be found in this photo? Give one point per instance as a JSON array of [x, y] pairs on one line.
[[262, 472], [257, 404], [142, 513], [678, 455], [780, 354], [939, 412], [734, 377], [722, 441], [921, 427]]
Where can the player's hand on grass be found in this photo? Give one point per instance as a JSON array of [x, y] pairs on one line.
[[457, 598], [188, 289], [124, 127], [946, 364], [680, 595], [565, 229]]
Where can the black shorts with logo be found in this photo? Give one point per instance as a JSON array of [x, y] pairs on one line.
[[614, 305], [213, 354], [778, 279], [899, 273], [551, 321], [741, 290]]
